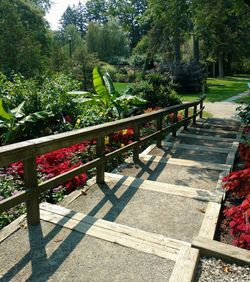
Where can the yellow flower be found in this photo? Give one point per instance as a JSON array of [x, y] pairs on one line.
[[106, 140], [125, 131], [122, 145], [78, 121]]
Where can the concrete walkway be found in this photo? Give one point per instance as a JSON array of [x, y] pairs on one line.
[[137, 226], [226, 108]]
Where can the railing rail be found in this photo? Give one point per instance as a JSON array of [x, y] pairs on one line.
[[27, 151]]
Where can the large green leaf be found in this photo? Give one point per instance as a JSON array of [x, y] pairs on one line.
[[36, 116], [130, 99], [109, 83], [86, 101], [18, 111], [78, 93], [5, 112], [100, 87]]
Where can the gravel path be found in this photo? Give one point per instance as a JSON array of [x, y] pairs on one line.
[[216, 270]]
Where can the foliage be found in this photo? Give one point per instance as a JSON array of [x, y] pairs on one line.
[[244, 114], [130, 14], [10, 186], [107, 40], [238, 182], [238, 217], [53, 96], [224, 35], [157, 89], [56, 163], [17, 89], [23, 34], [15, 124], [109, 101], [170, 22], [189, 77]]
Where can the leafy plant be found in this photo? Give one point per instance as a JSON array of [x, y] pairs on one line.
[[157, 90], [14, 122], [238, 182], [107, 98], [238, 218], [244, 114], [189, 78], [53, 96]]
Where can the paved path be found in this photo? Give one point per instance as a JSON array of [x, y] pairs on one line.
[[226, 108], [222, 109], [140, 224]]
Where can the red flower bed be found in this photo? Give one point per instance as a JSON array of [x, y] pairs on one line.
[[57, 162], [238, 217], [239, 222], [63, 160], [238, 182], [171, 117]]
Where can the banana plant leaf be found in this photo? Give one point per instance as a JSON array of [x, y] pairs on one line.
[[5, 113], [18, 111], [100, 87]]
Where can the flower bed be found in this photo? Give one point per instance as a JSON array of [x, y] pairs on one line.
[[235, 227], [55, 163]]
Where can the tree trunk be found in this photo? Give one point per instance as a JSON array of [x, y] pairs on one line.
[[196, 50], [214, 69], [221, 66], [229, 64], [177, 49]]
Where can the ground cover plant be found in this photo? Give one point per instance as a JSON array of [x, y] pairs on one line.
[[236, 222]]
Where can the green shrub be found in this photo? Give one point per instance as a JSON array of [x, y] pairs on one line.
[[53, 96], [157, 89], [189, 77], [110, 69], [16, 90]]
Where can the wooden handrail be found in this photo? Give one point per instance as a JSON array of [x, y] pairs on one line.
[[27, 151]]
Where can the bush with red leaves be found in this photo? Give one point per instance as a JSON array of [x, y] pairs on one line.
[[55, 163], [238, 182], [239, 222]]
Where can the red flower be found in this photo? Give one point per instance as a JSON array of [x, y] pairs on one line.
[[68, 118]]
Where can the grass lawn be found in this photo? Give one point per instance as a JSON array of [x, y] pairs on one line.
[[122, 86], [230, 86]]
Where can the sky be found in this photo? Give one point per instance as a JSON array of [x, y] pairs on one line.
[[57, 9]]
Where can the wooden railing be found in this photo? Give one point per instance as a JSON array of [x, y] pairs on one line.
[[27, 151]]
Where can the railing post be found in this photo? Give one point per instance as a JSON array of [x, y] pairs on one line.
[[159, 127], [137, 148], [100, 152], [195, 112], [186, 116], [201, 106], [175, 119], [30, 182]]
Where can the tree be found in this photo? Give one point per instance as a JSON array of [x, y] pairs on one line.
[[129, 13], [76, 16], [23, 34], [170, 22], [107, 41], [96, 11], [225, 31]]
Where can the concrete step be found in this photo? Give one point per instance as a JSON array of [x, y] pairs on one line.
[[189, 153], [211, 132], [146, 206]]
